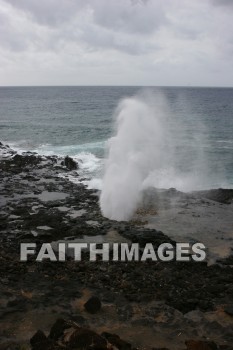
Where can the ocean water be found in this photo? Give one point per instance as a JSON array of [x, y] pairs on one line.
[[78, 121]]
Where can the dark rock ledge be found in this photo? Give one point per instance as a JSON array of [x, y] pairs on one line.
[[172, 302], [66, 334]]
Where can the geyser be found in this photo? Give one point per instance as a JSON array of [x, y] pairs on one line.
[[139, 147], [152, 148]]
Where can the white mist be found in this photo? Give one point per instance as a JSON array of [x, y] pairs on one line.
[[139, 147], [152, 148]]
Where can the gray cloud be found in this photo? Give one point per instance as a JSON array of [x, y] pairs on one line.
[[144, 42], [136, 16], [8, 39], [49, 12], [223, 2], [140, 17], [96, 24]]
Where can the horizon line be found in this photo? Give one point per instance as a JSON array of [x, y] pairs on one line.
[[139, 86]]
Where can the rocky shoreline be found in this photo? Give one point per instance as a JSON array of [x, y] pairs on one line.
[[175, 305]]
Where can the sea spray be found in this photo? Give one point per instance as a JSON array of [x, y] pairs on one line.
[[153, 147], [140, 146]]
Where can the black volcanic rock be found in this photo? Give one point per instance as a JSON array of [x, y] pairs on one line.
[[220, 195], [39, 341], [27, 159], [70, 163], [116, 341], [93, 305], [38, 205], [229, 310], [38, 337], [58, 328], [83, 338]]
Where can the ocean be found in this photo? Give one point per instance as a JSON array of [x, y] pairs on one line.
[[79, 121]]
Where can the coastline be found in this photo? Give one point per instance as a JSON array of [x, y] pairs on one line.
[[169, 302]]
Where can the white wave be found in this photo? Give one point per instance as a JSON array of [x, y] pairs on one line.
[[47, 149], [88, 161], [5, 153], [90, 166], [19, 146], [71, 150]]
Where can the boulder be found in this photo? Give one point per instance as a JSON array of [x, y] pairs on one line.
[[93, 305], [39, 341], [26, 159], [116, 341], [58, 329], [83, 338], [70, 163], [229, 310]]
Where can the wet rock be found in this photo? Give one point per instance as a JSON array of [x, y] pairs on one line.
[[19, 304], [10, 346], [58, 328], [93, 305], [70, 163], [225, 347], [220, 195], [116, 341], [38, 337], [181, 286], [78, 319], [200, 345], [68, 335], [26, 160], [229, 310], [226, 261], [84, 338]]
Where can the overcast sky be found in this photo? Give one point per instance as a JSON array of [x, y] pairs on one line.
[[116, 42]]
